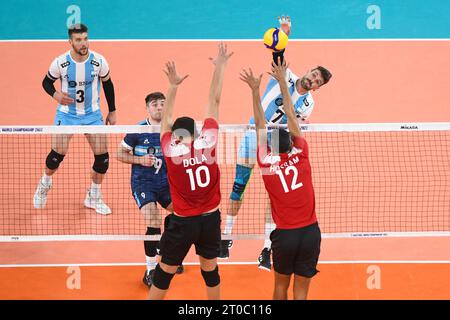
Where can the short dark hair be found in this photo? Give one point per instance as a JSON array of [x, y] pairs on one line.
[[77, 28], [326, 74], [284, 140], [154, 96], [187, 124]]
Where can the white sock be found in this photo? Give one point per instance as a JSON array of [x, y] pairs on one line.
[[229, 224], [151, 262], [95, 188], [46, 179], [269, 227]]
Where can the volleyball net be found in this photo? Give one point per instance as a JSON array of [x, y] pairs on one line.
[[370, 180]]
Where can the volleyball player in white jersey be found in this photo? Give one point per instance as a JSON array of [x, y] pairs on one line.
[[81, 71], [272, 103]]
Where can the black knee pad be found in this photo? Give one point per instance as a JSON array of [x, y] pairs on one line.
[[212, 278], [53, 160], [239, 188], [162, 279], [151, 245], [101, 163]]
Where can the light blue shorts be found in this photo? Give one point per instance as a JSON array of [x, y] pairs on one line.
[[248, 146], [65, 119]]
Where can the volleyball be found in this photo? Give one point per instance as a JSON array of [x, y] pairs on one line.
[[275, 39]]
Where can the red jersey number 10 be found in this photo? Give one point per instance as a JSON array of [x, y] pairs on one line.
[[197, 179]]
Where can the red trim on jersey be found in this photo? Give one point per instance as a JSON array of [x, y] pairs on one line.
[[292, 195], [192, 170]]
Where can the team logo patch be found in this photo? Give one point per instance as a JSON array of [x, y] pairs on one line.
[[72, 84], [151, 150], [279, 101], [65, 64], [95, 63]]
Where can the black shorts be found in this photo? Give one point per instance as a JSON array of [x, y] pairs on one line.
[[180, 233], [296, 250]]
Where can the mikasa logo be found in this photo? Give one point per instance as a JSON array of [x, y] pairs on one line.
[[408, 127]]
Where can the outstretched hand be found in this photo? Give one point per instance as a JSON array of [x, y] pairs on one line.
[[248, 77], [222, 55], [279, 71], [171, 72], [285, 24]]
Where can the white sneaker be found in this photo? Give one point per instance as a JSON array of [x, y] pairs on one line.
[[40, 196], [95, 202]]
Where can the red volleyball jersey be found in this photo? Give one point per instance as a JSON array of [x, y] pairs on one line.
[[193, 172], [288, 180]]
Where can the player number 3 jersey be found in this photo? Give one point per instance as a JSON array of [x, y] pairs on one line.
[[81, 80], [193, 172]]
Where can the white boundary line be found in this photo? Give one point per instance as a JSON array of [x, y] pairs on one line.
[[137, 264], [235, 40]]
